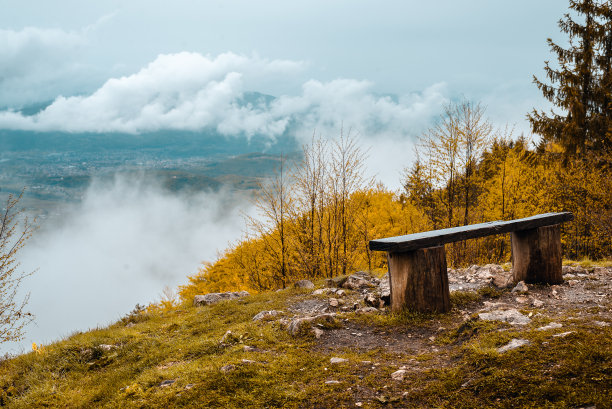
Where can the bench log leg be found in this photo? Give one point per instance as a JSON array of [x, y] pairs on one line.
[[419, 281], [536, 255]]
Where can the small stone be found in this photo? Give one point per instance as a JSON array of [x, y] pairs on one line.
[[552, 325], [360, 280], [399, 375], [601, 323], [511, 316], [502, 280], [320, 291], [266, 314], [572, 283], [537, 303], [297, 324], [189, 386], [340, 293], [332, 382], [367, 310], [520, 287], [563, 334], [513, 344], [336, 360], [333, 302], [212, 298], [228, 368], [167, 383], [521, 299], [248, 348], [303, 284], [248, 361], [317, 332], [372, 300], [107, 347]]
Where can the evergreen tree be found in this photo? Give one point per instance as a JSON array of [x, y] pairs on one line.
[[582, 83]]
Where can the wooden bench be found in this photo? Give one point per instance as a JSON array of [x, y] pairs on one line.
[[417, 262]]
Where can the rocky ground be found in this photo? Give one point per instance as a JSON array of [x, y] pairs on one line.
[[584, 294]]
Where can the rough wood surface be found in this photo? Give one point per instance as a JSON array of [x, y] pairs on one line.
[[536, 255], [419, 280], [439, 237]]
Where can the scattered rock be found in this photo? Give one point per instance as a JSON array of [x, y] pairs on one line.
[[563, 334], [317, 332], [321, 291], [248, 361], [552, 325], [573, 270], [385, 289], [521, 299], [167, 383], [537, 303], [304, 284], [333, 302], [336, 360], [502, 280], [511, 316], [248, 348], [266, 314], [601, 323], [399, 375], [212, 298], [372, 300], [107, 347], [520, 287], [513, 344], [335, 282], [367, 310], [189, 386], [332, 382], [228, 368], [360, 280], [228, 338], [299, 323]]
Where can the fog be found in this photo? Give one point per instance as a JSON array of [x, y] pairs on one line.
[[121, 245]]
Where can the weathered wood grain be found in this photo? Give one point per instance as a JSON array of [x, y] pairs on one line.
[[440, 237], [536, 255], [419, 280]]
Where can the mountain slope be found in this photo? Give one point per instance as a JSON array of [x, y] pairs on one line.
[[218, 356]]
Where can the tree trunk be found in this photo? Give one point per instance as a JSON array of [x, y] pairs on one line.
[[536, 255], [419, 280]]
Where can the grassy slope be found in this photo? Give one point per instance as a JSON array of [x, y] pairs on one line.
[[461, 368]]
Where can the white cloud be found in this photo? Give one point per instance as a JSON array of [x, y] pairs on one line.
[[190, 91], [33, 59]]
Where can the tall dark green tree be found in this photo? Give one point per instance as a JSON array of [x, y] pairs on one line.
[[581, 85]]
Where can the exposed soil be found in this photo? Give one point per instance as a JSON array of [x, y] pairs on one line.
[[585, 294]]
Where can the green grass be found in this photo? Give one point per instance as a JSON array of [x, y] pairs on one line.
[[185, 345]]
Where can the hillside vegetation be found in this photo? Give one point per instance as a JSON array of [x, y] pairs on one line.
[[217, 356]]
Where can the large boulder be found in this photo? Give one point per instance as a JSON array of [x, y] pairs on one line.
[[213, 298]]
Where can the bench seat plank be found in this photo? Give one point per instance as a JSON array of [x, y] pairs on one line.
[[435, 238]]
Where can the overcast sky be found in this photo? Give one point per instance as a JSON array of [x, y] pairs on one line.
[[195, 57]]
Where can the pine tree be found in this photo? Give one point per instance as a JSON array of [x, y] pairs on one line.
[[581, 85]]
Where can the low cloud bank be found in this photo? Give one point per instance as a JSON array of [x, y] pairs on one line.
[[120, 246], [190, 91]]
